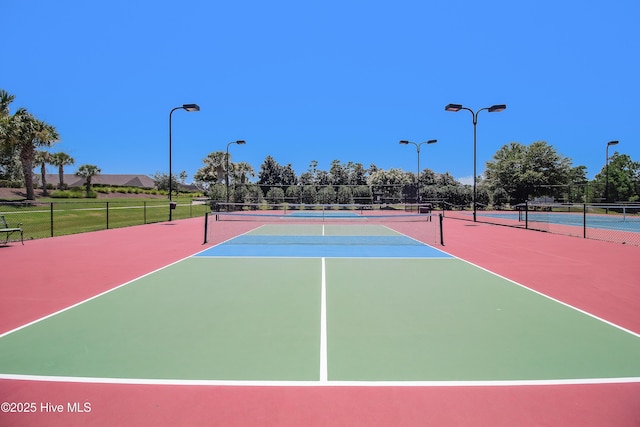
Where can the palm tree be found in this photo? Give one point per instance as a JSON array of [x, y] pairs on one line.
[[23, 132], [61, 160], [33, 133], [213, 171], [42, 158], [88, 172], [7, 126], [240, 171], [9, 163], [5, 100]]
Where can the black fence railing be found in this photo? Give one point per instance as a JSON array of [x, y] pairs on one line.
[[49, 219], [618, 222]]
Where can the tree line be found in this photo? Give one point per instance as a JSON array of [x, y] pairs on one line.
[[516, 173]]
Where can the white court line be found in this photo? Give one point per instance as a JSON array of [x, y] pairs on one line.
[[241, 383], [323, 326]]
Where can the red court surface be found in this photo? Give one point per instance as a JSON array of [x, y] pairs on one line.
[[47, 275]]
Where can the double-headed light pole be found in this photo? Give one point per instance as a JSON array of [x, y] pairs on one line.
[[606, 173], [239, 142], [190, 108], [431, 141], [493, 109]]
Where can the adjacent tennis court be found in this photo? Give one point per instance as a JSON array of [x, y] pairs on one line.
[[627, 223], [322, 303]]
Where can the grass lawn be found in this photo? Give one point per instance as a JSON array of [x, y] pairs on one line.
[[48, 217]]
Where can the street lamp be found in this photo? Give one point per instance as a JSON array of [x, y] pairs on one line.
[[606, 168], [431, 141], [190, 108], [239, 142], [493, 109]]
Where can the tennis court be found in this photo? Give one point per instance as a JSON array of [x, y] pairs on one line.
[[322, 303], [627, 223]]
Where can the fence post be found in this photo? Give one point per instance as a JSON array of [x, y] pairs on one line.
[[107, 215], [441, 228], [51, 218], [584, 220], [206, 226]]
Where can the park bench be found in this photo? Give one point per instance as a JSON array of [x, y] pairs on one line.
[[8, 231]]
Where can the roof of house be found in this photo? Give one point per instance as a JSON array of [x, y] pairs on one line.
[[120, 180]]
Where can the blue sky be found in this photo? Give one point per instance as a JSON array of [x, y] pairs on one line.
[[325, 80]]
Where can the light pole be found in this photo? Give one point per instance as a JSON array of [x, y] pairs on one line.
[[431, 141], [493, 109], [239, 142], [606, 172], [187, 107]]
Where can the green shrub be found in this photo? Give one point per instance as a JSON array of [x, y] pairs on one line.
[[326, 195], [275, 195], [74, 193], [294, 194], [345, 195], [5, 183], [309, 194], [61, 194]]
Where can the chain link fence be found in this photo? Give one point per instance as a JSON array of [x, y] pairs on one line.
[[618, 222], [49, 219]]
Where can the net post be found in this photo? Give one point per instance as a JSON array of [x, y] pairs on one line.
[[584, 220], [206, 227], [441, 228]]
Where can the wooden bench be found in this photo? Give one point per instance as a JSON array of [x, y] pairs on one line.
[[8, 231]]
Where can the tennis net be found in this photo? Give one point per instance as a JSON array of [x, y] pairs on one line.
[[355, 221]]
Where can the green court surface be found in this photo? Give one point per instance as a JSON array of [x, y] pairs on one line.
[[320, 320]]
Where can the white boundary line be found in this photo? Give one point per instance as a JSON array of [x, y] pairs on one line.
[[239, 383], [323, 325]]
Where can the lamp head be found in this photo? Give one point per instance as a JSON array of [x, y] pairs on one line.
[[191, 107], [497, 108], [432, 141], [241, 142], [453, 107], [612, 143], [403, 142]]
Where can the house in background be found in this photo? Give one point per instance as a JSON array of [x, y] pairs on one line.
[[116, 180]]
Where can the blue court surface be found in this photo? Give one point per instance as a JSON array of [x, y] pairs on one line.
[[314, 246]]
